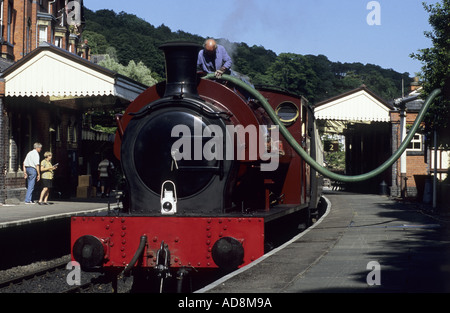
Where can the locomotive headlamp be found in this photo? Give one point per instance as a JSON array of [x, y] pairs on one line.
[[167, 206], [168, 198]]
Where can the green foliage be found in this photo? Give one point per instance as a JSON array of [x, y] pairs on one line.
[[132, 37], [105, 129], [139, 72], [335, 160], [253, 61], [436, 65], [293, 72], [97, 42]]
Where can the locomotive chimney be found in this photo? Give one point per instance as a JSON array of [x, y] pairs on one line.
[[181, 68]]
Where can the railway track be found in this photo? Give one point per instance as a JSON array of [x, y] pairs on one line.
[[51, 277], [21, 275]]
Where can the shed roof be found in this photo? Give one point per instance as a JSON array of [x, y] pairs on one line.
[[358, 105], [49, 71]]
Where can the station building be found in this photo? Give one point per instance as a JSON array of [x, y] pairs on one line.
[[48, 86], [414, 177], [370, 130], [361, 119]]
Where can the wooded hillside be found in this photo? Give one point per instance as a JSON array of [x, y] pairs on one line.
[[315, 77]]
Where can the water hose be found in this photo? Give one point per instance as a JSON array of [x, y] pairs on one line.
[[139, 251], [319, 168]]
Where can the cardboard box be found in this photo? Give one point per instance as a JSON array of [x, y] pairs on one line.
[[84, 180], [86, 192]]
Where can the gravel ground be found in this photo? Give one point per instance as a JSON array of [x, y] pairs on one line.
[[55, 282]]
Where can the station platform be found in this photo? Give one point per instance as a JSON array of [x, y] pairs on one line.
[[363, 243], [21, 214]]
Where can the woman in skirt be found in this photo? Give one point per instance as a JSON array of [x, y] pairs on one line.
[[46, 177]]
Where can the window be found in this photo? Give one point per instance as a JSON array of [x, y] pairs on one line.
[[9, 26], [42, 33], [72, 133], [28, 37], [287, 112], [1, 18], [58, 41], [58, 133], [20, 142], [416, 143]]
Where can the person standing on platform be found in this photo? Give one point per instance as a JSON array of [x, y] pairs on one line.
[[47, 177], [31, 170], [106, 173]]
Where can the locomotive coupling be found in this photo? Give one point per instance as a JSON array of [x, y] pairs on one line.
[[163, 264]]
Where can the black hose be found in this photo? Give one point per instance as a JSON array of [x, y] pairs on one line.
[[139, 251], [319, 168]]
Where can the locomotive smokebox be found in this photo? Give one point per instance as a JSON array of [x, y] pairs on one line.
[[181, 69]]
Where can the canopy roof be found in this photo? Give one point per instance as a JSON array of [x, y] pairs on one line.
[[358, 105], [49, 71]]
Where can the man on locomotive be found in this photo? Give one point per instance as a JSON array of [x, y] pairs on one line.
[[213, 58]]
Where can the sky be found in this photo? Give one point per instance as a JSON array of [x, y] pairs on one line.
[[339, 29]]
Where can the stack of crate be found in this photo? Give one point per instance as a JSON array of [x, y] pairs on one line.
[[85, 188]]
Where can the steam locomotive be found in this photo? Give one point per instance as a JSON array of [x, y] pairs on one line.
[[210, 182]]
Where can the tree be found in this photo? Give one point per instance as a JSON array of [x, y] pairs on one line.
[[436, 65], [324, 85], [293, 72], [97, 42], [139, 72]]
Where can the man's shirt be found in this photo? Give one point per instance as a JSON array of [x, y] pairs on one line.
[[211, 63], [32, 159]]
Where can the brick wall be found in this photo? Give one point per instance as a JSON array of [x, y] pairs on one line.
[[25, 26], [415, 161], [24, 39]]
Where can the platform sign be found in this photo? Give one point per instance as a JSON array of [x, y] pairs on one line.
[[331, 145]]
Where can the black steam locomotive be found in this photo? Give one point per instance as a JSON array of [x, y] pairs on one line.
[[209, 178]]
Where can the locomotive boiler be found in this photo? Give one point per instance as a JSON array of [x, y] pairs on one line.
[[210, 182]]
